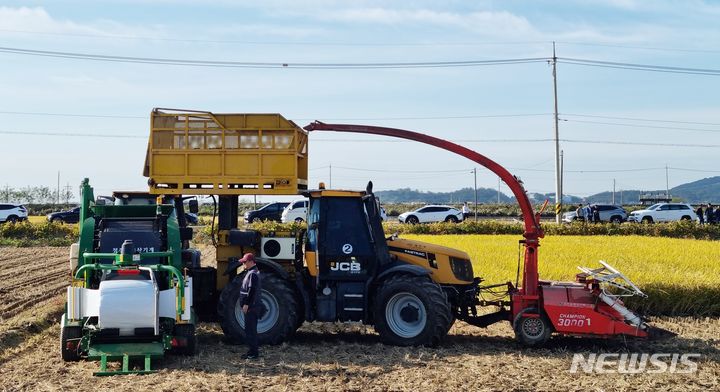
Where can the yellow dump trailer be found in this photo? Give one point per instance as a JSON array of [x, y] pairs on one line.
[[202, 153]]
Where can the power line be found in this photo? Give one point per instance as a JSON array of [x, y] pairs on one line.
[[641, 143], [694, 170], [592, 170], [74, 134], [401, 171], [641, 47], [380, 65], [644, 126], [640, 67], [472, 116], [72, 115], [249, 64], [639, 119]]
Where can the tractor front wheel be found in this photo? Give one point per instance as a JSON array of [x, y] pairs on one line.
[[281, 316], [532, 328], [411, 311]]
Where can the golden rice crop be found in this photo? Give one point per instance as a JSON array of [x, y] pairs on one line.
[[680, 276]]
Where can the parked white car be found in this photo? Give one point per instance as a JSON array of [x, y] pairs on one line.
[[295, 212], [664, 212], [433, 213], [12, 213]]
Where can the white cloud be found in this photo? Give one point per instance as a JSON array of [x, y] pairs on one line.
[[38, 20], [498, 22]]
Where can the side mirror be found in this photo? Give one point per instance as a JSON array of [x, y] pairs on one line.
[[193, 206]]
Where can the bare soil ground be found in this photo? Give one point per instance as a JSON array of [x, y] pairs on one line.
[[323, 357]]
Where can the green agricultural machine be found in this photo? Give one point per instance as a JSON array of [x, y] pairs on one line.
[[131, 296]]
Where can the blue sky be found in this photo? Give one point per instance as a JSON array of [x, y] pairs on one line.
[[672, 33]]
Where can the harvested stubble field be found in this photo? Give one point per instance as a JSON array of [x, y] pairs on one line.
[[322, 357]]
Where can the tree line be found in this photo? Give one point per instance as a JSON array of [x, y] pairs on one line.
[[36, 195]]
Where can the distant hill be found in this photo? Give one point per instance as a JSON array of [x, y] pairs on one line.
[[706, 190], [701, 191]]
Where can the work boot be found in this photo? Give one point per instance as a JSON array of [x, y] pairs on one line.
[[250, 355]]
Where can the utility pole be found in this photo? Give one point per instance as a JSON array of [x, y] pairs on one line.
[[667, 182], [558, 178], [58, 187], [475, 176], [562, 174], [68, 193], [613, 197], [621, 197]]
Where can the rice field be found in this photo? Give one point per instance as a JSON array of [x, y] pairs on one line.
[[680, 276]]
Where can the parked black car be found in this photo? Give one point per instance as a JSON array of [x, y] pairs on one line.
[[270, 211], [69, 216]]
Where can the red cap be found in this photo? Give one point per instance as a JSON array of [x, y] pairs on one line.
[[247, 257]]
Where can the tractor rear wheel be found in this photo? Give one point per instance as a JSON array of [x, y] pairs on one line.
[[281, 316], [411, 311], [71, 336], [532, 328]]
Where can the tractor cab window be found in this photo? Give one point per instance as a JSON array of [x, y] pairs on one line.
[[313, 222], [345, 230]]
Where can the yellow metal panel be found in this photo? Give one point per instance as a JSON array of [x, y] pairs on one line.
[[241, 165], [169, 164], [278, 165], [204, 165]]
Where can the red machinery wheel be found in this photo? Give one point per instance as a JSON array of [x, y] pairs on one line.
[[532, 328]]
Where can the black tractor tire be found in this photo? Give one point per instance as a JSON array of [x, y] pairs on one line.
[[647, 219], [277, 296], [412, 219], [451, 219], [66, 334], [615, 219], [413, 291], [12, 219], [186, 332], [532, 331]]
